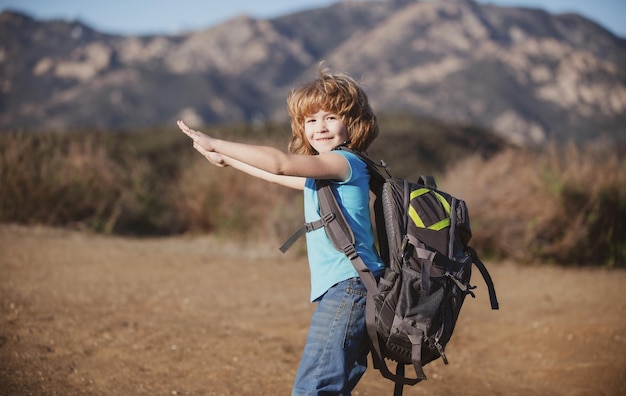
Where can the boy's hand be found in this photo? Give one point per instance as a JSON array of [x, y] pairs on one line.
[[213, 157], [201, 139]]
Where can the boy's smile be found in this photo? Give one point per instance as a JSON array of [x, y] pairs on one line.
[[325, 131]]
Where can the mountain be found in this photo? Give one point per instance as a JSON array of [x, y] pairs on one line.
[[528, 75]]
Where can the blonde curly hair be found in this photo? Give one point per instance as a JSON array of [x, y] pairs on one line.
[[336, 93]]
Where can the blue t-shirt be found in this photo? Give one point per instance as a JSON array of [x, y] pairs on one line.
[[329, 266]]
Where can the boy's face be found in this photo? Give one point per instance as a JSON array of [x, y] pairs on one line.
[[325, 131]]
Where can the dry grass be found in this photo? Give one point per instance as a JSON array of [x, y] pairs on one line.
[[229, 202], [62, 180], [561, 205], [134, 185]]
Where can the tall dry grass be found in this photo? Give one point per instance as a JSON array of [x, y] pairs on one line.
[[225, 201], [144, 184], [564, 205], [65, 180]]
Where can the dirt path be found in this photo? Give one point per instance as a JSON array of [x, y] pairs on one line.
[[84, 314]]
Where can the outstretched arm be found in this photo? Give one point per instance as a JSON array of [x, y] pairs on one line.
[[222, 161], [271, 160]]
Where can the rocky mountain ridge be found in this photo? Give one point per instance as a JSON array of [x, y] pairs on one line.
[[528, 75]]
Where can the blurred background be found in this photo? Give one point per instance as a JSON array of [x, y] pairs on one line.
[[518, 107], [166, 17]]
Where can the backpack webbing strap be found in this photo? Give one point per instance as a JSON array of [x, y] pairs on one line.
[[311, 226], [399, 387], [415, 333], [438, 265], [483, 271]]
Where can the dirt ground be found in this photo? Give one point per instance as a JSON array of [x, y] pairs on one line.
[[94, 315]]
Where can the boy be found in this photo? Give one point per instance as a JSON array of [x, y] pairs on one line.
[[332, 110]]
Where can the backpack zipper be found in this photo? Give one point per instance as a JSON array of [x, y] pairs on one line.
[[442, 353]]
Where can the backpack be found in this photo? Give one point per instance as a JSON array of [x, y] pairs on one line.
[[423, 236]]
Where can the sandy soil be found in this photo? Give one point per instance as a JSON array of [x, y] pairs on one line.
[[86, 314]]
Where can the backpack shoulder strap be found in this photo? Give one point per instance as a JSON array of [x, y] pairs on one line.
[[378, 172], [341, 235]]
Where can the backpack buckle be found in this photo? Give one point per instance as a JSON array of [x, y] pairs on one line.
[[350, 251], [328, 217]]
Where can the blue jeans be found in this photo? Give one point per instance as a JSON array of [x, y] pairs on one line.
[[335, 354]]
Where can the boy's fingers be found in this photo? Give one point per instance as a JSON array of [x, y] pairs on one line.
[[182, 126], [188, 131], [200, 148]]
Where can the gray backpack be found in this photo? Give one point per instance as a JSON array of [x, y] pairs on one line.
[[422, 235]]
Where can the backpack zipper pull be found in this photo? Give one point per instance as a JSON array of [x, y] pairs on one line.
[[441, 351], [404, 248]]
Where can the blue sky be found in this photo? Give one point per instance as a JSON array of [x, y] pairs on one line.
[[160, 16]]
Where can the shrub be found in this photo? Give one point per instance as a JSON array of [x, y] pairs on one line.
[[143, 183], [566, 206], [228, 202], [60, 180]]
